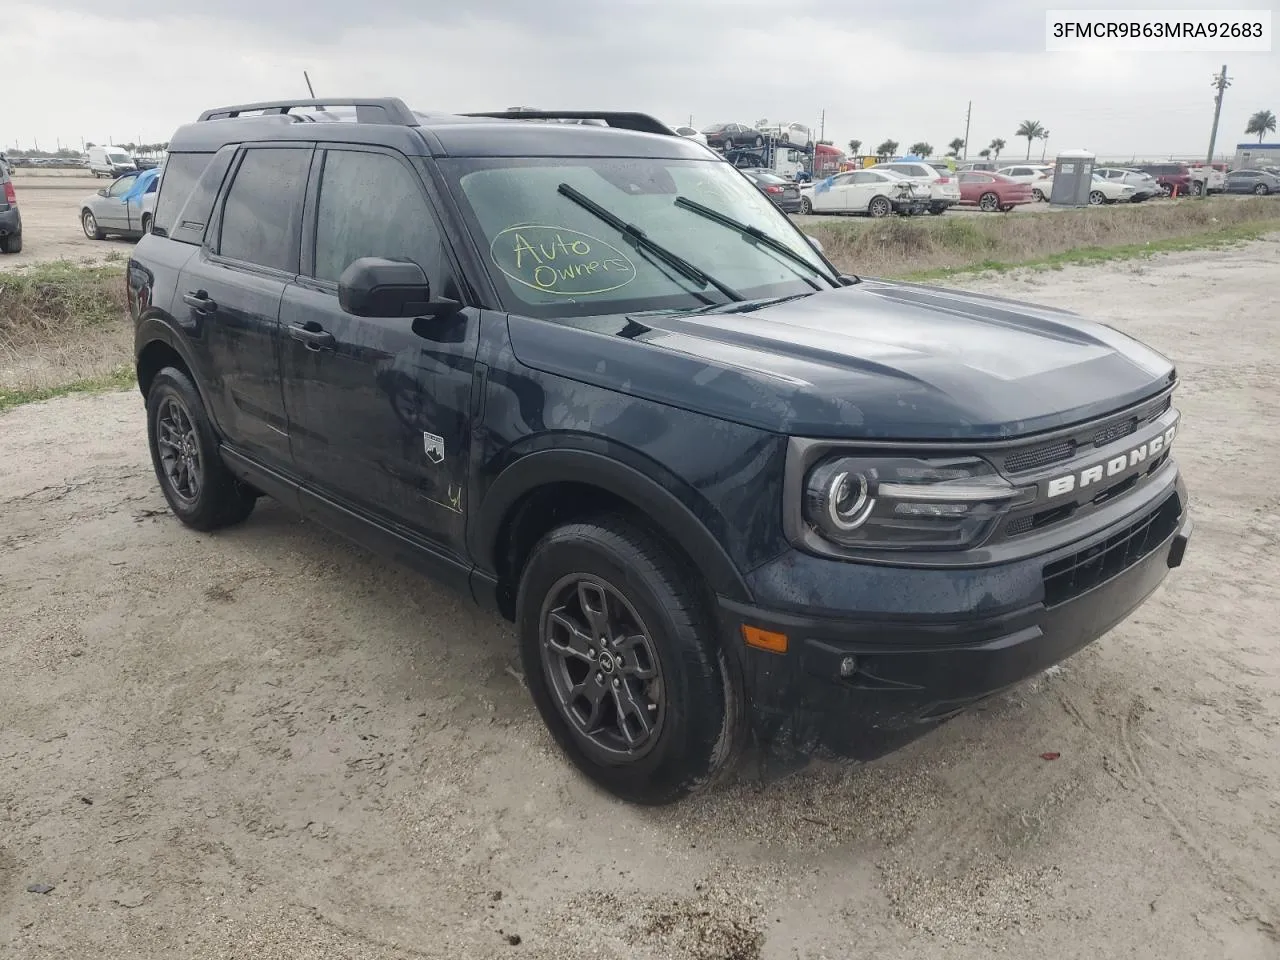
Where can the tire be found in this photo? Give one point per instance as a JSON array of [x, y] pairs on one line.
[[989, 202], [1006, 208], [11, 243], [1038, 195], [937, 209], [146, 224], [1165, 190], [199, 488], [1197, 188], [1261, 190], [728, 144], [879, 207], [806, 206], [759, 142], [90, 224], [1096, 198], [693, 719], [785, 138]]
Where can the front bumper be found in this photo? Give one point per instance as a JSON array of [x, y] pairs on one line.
[[10, 222], [859, 689]]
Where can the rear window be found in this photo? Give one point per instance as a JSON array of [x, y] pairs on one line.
[[181, 171]]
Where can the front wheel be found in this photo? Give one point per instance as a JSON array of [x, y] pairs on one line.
[[728, 144], [989, 202], [90, 224], [201, 491], [1038, 195], [879, 207], [620, 656], [759, 142], [1096, 198], [146, 225]]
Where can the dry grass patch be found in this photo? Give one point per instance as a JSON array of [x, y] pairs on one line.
[[62, 326], [957, 242]]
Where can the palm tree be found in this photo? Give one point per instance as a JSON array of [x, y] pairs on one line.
[[854, 147], [996, 146], [1261, 123], [887, 149], [984, 153], [921, 149], [1044, 135], [1029, 129], [956, 145]]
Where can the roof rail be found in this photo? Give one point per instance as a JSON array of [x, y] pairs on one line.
[[386, 110], [624, 120]]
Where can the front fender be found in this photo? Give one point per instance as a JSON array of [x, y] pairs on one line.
[[670, 513]]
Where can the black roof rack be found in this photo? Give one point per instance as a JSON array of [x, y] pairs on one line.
[[386, 110], [623, 120]]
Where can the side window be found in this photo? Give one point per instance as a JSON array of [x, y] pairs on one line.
[[260, 221], [191, 217], [181, 171], [120, 186], [372, 205]]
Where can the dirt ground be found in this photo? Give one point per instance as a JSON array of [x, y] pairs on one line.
[[267, 744], [51, 223]]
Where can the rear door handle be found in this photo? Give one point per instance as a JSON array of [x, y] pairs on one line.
[[312, 334], [199, 299]]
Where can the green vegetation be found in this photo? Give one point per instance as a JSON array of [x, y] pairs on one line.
[[119, 379]]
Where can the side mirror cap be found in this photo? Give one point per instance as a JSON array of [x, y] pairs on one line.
[[374, 287], [102, 192], [817, 244]]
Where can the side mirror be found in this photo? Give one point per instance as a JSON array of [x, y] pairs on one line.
[[817, 244], [374, 287], [102, 192]]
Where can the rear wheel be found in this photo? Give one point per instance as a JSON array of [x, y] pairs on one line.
[[759, 141], [12, 243], [989, 202], [201, 491], [619, 654], [879, 207], [146, 223], [1096, 198], [1197, 188], [1262, 189], [1038, 194], [728, 144]]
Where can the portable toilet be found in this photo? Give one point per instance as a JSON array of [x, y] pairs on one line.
[[1073, 178]]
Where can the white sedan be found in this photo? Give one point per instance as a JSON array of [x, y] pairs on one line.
[[876, 193], [1101, 191], [691, 133]]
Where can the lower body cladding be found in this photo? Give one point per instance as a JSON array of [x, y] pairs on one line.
[[859, 689]]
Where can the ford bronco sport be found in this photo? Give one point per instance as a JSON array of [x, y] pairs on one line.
[[590, 376]]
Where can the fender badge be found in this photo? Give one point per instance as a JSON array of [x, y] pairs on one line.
[[434, 447]]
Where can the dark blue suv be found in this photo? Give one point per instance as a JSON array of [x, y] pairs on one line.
[[590, 376]]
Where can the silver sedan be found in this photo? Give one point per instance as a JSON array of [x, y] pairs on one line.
[[105, 213]]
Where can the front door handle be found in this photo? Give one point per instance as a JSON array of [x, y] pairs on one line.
[[312, 334], [199, 299]]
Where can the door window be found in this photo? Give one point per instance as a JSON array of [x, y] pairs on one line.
[[120, 187], [372, 205], [260, 219]]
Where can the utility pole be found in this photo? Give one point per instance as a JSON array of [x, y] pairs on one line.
[[822, 127], [1220, 82], [967, 117]]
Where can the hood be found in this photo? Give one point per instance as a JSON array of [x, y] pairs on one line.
[[877, 360]]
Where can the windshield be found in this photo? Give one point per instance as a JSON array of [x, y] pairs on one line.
[[552, 257], [118, 157]]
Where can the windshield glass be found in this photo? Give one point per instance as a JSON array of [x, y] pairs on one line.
[[118, 157], [551, 258]]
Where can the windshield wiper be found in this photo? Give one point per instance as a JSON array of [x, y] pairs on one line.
[[750, 233], [640, 239]]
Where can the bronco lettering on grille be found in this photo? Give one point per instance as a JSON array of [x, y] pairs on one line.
[[1110, 468]]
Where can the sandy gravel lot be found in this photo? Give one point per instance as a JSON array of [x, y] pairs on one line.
[[267, 744], [51, 223]]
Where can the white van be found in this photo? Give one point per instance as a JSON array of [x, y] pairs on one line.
[[110, 162]]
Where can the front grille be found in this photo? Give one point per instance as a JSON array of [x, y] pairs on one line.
[[1115, 432], [1073, 575], [1037, 457]]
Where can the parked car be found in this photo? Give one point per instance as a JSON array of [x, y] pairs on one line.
[[1213, 176], [785, 193], [1104, 191], [1170, 176], [110, 162], [944, 189], [991, 191], [986, 165], [1027, 172], [1252, 181], [874, 192], [106, 213], [1144, 185], [726, 136], [145, 163], [728, 496], [690, 132], [10, 215]]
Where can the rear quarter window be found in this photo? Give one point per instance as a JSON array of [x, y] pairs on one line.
[[181, 172]]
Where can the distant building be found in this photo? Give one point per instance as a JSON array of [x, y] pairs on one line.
[[1251, 154]]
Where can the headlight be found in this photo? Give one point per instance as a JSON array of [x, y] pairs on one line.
[[899, 504]]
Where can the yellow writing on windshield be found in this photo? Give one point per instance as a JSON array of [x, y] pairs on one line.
[[560, 261]]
